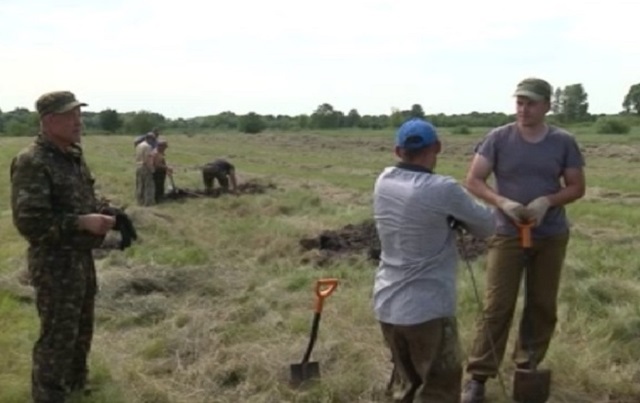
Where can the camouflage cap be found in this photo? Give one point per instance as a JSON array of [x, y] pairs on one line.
[[57, 102], [534, 88]]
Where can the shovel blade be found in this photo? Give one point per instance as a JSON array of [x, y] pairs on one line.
[[304, 372], [531, 386]]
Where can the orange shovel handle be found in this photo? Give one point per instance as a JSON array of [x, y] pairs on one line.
[[525, 234], [324, 288]]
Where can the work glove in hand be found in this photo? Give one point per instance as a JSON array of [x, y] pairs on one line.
[[514, 210], [123, 224], [537, 209]]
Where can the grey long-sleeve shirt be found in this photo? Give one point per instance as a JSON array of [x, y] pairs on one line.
[[416, 278]]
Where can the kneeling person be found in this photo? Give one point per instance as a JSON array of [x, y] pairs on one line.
[[414, 293]]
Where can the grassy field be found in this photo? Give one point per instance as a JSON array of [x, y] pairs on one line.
[[215, 301]]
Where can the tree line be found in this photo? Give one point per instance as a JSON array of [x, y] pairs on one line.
[[569, 105]]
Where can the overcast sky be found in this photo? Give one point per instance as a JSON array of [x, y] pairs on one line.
[[188, 58]]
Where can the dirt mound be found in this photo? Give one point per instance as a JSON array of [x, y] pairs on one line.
[[350, 238], [247, 188], [363, 238]]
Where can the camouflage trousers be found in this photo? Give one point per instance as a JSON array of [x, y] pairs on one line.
[[145, 186], [65, 286], [427, 359]]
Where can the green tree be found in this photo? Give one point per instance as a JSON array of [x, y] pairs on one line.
[[251, 123], [109, 120], [556, 102], [16, 128], [303, 121], [396, 117], [325, 117], [609, 125], [632, 100], [20, 122], [226, 120], [574, 105], [143, 121], [352, 119], [417, 111]]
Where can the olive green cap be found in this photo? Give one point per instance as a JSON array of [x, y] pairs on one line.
[[57, 102], [534, 88]]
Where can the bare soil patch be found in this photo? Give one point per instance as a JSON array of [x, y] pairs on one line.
[[625, 152], [607, 195], [247, 188], [362, 238]]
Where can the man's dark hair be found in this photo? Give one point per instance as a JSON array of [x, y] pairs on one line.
[[411, 153]]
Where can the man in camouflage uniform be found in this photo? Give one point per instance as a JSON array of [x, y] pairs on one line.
[[414, 292], [56, 211], [222, 170]]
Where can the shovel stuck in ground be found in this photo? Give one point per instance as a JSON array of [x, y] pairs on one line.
[[530, 385], [307, 370]]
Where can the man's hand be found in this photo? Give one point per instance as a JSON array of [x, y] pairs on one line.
[[514, 210], [98, 224], [537, 209]]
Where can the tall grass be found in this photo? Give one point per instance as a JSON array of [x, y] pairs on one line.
[[215, 301]]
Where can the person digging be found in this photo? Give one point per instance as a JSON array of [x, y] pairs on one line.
[[222, 171]]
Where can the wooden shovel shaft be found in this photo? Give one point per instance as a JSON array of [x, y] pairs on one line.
[[527, 259]]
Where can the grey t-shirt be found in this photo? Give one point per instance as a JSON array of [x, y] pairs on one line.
[[415, 280], [524, 171]]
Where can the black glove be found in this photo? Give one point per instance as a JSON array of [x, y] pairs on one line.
[[124, 225], [454, 224]]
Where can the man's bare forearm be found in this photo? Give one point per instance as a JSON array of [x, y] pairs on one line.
[[566, 195], [482, 191]]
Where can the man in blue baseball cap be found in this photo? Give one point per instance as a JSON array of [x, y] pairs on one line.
[[414, 292]]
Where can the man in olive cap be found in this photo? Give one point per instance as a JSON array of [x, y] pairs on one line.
[[538, 169], [55, 209]]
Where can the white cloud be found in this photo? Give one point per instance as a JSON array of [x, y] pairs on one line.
[[192, 57]]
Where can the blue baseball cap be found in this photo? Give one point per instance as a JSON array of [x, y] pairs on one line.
[[416, 133]]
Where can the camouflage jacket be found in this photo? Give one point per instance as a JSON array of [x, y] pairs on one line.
[[49, 190]]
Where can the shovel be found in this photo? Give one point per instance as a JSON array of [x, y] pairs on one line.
[[173, 184], [307, 370], [530, 385]]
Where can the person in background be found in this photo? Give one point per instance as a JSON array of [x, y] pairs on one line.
[[224, 172], [161, 169], [153, 141], [145, 186]]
